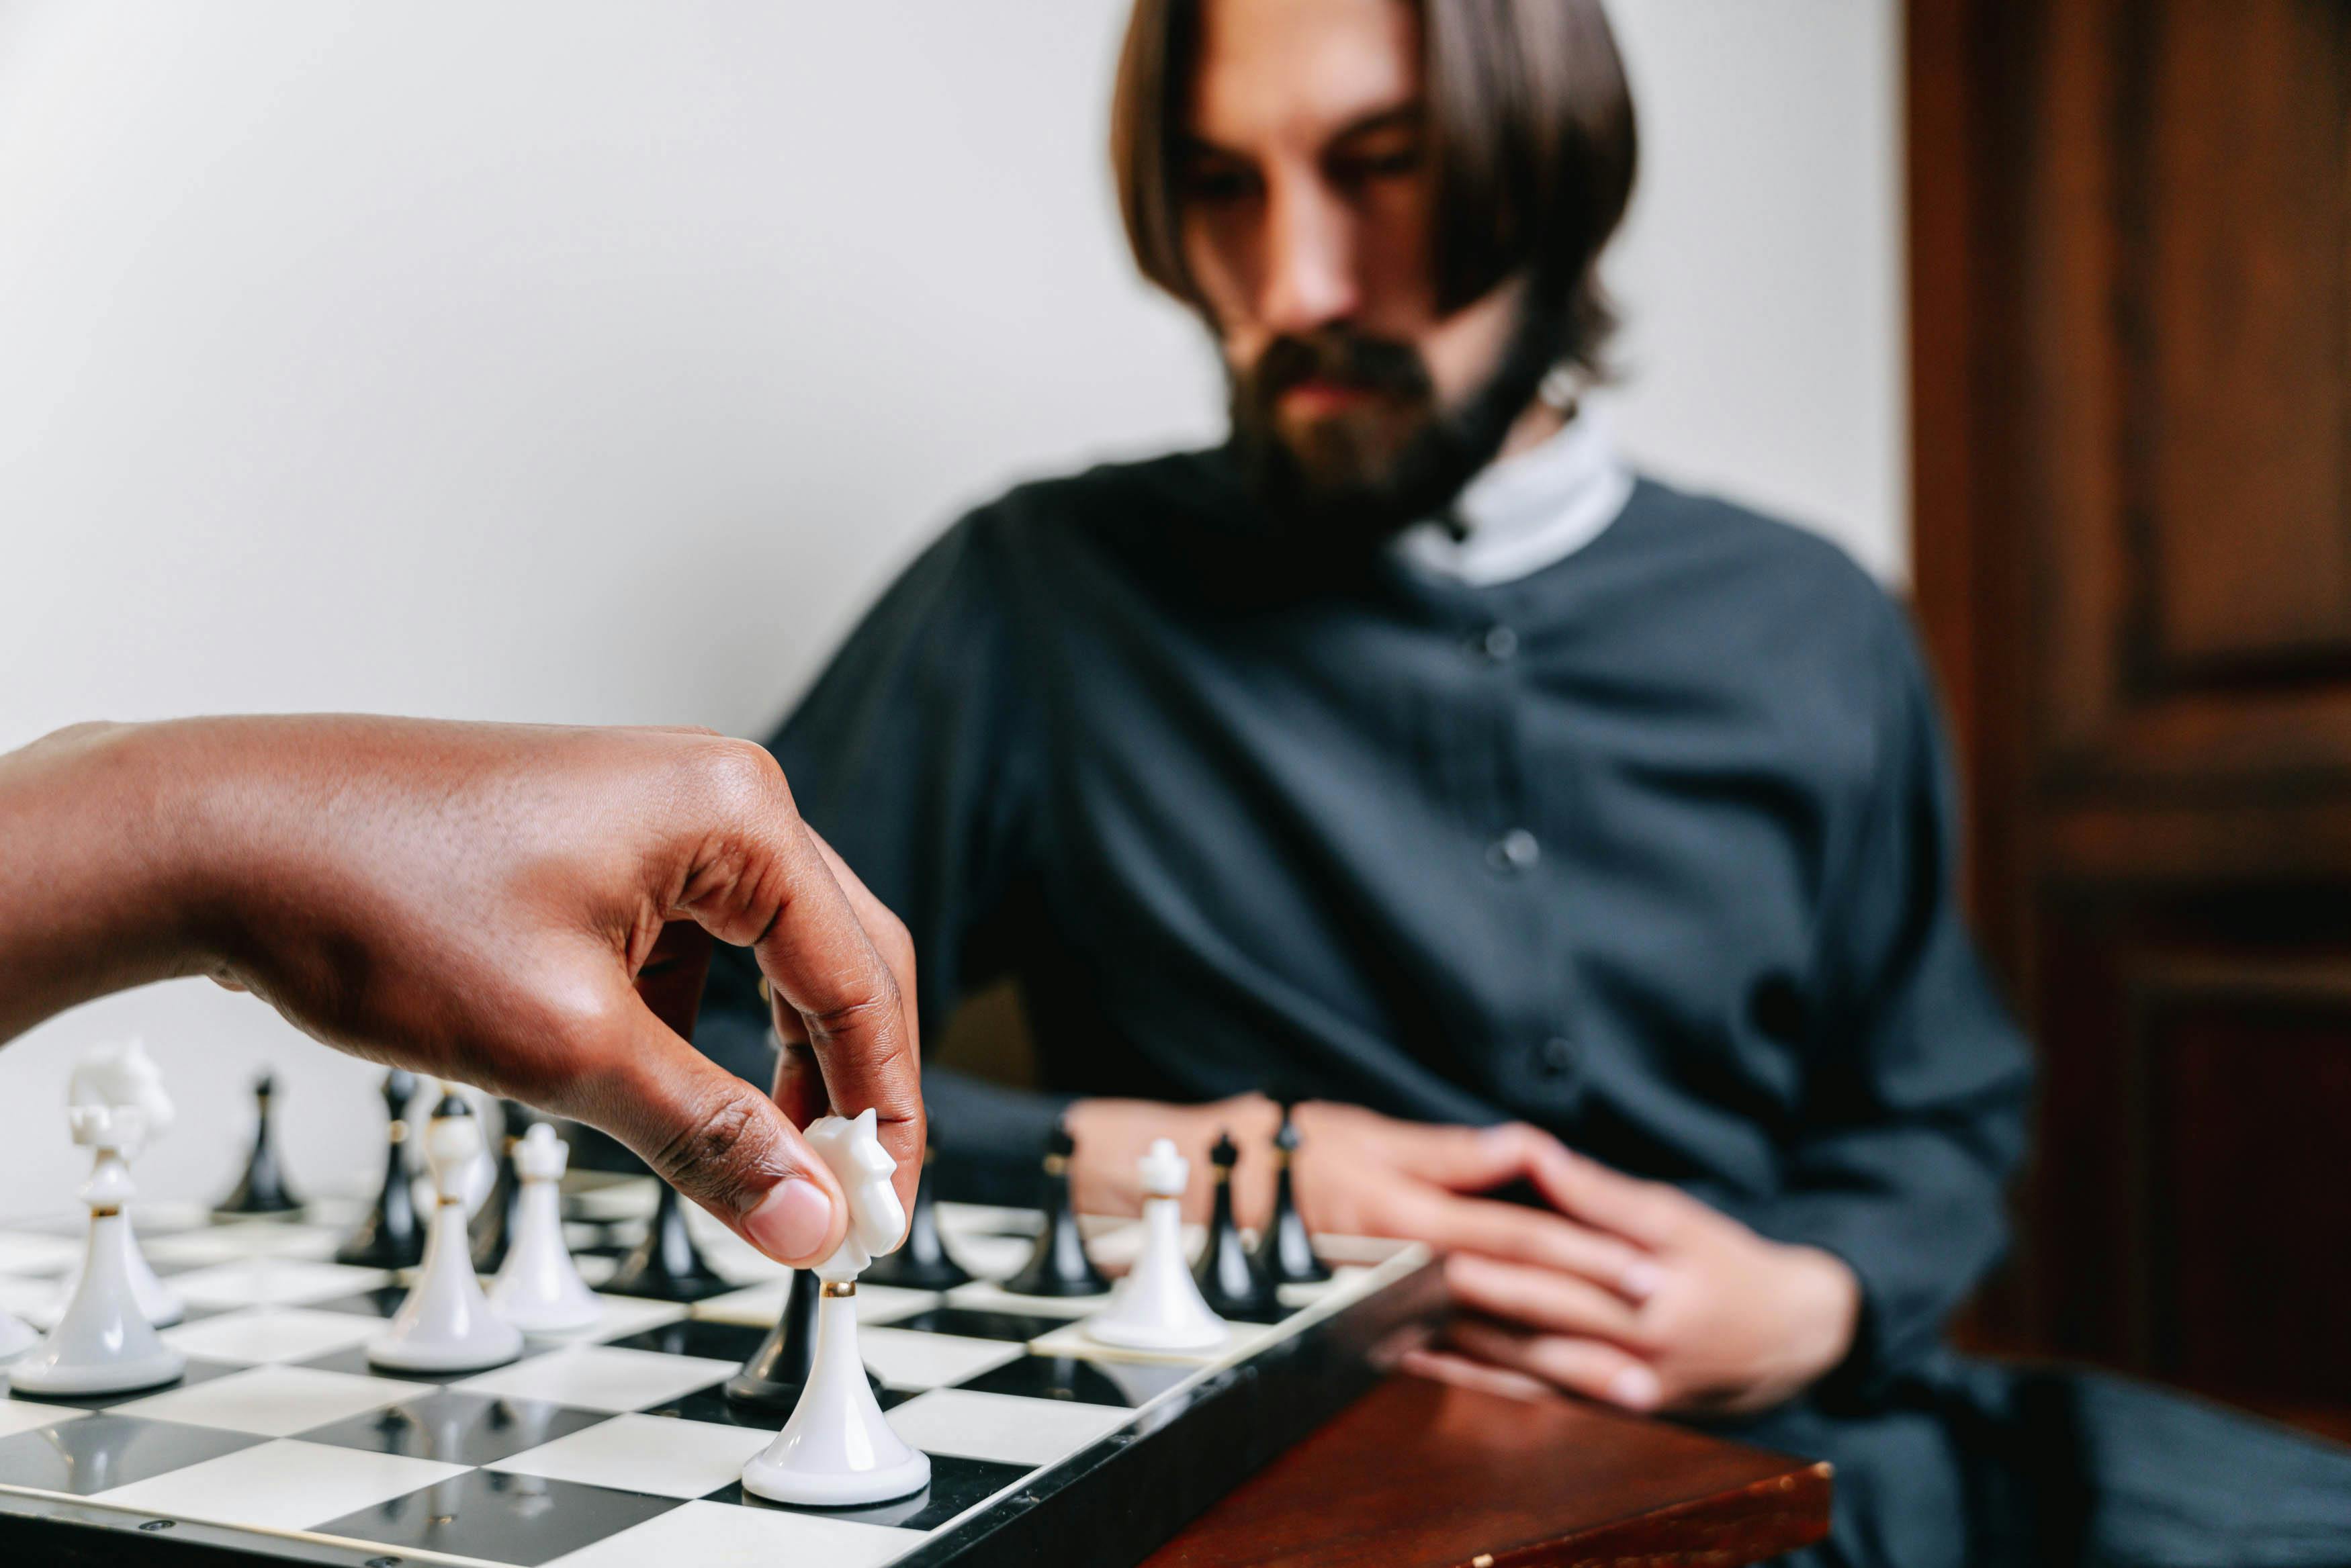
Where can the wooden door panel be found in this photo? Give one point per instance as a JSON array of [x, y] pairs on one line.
[[2236, 140], [2131, 296], [2242, 1075]]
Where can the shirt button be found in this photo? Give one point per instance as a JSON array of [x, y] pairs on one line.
[[1557, 1056], [1499, 644], [1514, 851]]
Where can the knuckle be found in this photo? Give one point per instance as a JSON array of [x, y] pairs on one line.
[[741, 777], [707, 1156]]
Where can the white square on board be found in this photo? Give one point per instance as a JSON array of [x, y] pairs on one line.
[[907, 1359], [280, 1486], [254, 1335], [728, 1535], [24, 1415], [657, 1454], [602, 1377], [272, 1401], [274, 1282], [1002, 1427]]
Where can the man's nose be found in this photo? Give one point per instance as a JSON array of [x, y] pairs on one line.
[[1310, 263]]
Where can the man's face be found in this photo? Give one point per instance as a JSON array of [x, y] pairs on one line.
[[1307, 199]]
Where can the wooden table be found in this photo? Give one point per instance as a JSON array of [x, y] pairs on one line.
[[1422, 1475]]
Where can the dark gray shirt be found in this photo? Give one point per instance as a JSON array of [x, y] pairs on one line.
[[1650, 846]]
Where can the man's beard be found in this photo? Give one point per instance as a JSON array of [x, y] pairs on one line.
[[1350, 480]]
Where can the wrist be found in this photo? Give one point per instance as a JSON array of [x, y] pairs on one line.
[[1824, 1304], [99, 888]]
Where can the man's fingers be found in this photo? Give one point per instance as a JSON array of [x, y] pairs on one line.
[[1585, 1367], [721, 1142], [895, 947], [1647, 1212], [766, 881], [1541, 1298], [1522, 1235], [1450, 1366], [1473, 1159]]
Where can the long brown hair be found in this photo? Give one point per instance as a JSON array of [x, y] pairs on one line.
[[1531, 125]]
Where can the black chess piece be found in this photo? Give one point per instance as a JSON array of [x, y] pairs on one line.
[[263, 1188], [667, 1265], [1229, 1279], [1059, 1267], [1285, 1253], [779, 1369], [391, 1237], [921, 1261], [494, 1222]]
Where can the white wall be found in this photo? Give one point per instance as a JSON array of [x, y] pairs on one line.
[[597, 362]]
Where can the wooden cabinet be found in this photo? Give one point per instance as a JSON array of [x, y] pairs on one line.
[[2131, 298]]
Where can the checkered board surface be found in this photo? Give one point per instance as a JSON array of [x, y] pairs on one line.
[[612, 1445]]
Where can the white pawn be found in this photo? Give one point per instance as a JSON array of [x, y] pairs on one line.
[[124, 1076], [538, 1289], [1158, 1306], [103, 1344], [447, 1323], [837, 1451]]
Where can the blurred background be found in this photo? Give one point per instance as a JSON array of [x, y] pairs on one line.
[[602, 362], [599, 362]]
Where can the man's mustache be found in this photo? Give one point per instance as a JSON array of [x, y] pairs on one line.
[[1343, 358]]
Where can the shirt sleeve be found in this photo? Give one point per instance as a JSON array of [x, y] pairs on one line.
[[913, 755], [1918, 1090]]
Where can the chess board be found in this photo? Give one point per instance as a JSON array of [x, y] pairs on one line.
[[617, 1445]]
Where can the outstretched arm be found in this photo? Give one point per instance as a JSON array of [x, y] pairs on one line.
[[530, 908]]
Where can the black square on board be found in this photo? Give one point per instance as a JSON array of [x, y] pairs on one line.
[[90, 1453], [457, 1427], [692, 1336], [979, 1322], [956, 1483], [1073, 1380], [505, 1518]]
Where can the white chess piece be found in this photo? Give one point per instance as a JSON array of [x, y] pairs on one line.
[[124, 1076], [538, 1289], [447, 1323], [1157, 1306], [837, 1451], [103, 1344]]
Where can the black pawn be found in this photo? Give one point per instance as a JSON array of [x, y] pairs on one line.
[[263, 1188], [921, 1264], [779, 1369], [1285, 1253], [391, 1236], [667, 1265], [1229, 1279], [1059, 1267], [494, 1222]]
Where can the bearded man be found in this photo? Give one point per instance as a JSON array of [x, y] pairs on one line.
[[1576, 850]]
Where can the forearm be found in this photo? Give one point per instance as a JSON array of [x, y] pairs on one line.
[[100, 888]]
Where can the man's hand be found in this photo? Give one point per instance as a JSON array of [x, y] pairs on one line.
[[1729, 1322], [1359, 1174], [527, 908], [1627, 1290]]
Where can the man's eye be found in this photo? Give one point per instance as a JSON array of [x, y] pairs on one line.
[[1218, 185], [1361, 168]]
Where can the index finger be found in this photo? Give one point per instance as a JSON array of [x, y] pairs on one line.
[[763, 880]]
